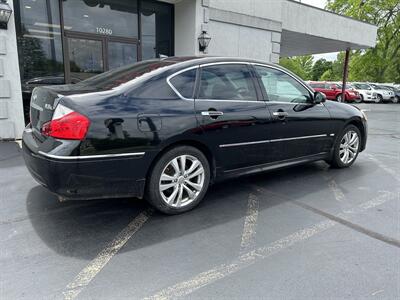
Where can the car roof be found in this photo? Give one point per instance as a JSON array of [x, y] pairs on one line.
[[188, 61]]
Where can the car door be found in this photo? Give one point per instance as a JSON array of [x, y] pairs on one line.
[[299, 128], [233, 120]]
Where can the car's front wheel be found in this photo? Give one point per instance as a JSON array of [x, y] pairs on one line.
[[179, 180], [347, 148], [380, 98]]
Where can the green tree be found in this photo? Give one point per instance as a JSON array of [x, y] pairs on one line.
[[321, 66], [302, 66], [381, 63]]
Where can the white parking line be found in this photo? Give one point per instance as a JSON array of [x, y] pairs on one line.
[[203, 279], [96, 265], [250, 225], [394, 173]]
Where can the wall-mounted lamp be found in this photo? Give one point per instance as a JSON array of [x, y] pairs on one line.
[[5, 14], [204, 40]]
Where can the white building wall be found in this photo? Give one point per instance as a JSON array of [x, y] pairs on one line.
[[11, 109], [240, 41], [268, 9], [237, 28], [187, 18]]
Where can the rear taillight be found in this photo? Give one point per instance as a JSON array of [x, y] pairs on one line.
[[66, 124]]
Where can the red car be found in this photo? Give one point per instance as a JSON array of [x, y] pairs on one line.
[[333, 91]]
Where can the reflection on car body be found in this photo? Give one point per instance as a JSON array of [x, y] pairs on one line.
[[165, 129]]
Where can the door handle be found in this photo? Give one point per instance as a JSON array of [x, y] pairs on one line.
[[280, 114], [212, 113]]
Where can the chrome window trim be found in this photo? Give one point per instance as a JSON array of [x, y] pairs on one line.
[[174, 88], [234, 101], [276, 140], [91, 156], [287, 73], [225, 63], [236, 63]]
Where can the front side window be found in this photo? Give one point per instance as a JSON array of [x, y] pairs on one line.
[[227, 82], [281, 87], [184, 83]]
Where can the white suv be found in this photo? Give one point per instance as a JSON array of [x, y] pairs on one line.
[[383, 94], [366, 92]]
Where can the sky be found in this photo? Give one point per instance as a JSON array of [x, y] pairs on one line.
[[321, 4]]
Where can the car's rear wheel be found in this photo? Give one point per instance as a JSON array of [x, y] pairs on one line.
[[361, 99], [380, 99], [179, 180], [347, 148], [396, 99], [339, 98]]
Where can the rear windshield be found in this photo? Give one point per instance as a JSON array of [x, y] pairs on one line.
[[116, 77]]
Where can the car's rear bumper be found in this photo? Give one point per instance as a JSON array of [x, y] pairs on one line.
[[88, 178]]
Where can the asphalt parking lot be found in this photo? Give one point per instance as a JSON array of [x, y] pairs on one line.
[[309, 232]]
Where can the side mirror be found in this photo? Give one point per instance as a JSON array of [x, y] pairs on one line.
[[319, 98]]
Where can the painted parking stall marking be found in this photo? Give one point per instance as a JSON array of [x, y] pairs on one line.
[[96, 265], [245, 260], [250, 224]]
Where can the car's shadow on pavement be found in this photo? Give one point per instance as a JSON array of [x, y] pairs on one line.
[[83, 228]]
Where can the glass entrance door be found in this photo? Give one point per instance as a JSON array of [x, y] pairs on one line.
[[85, 57], [89, 55], [121, 54]]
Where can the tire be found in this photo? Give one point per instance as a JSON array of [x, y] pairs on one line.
[[181, 193], [339, 98], [361, 100], [396, 99], [337, 161], [380, 98]]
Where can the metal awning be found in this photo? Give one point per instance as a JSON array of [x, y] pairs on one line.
[[310, 30]]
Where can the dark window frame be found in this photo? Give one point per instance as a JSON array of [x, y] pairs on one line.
[[252, 78]]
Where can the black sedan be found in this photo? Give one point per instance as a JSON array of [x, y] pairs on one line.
[[166, 129]]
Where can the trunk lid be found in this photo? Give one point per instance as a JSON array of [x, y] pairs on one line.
[[44, 100]]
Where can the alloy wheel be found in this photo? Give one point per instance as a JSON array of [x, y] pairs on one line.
[[181, 181], [349, 147]]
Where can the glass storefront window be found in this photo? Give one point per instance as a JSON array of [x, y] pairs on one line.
[[104, 17], [121, 54], [39, 42], [157, 29], [85, 58]]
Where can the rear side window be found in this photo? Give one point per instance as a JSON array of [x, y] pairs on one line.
[[227, 82], [184, 83]]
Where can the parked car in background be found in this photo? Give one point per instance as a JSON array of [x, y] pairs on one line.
[[165, 129], [396, 92], [366, 92], [333, 91], [382, 93]]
